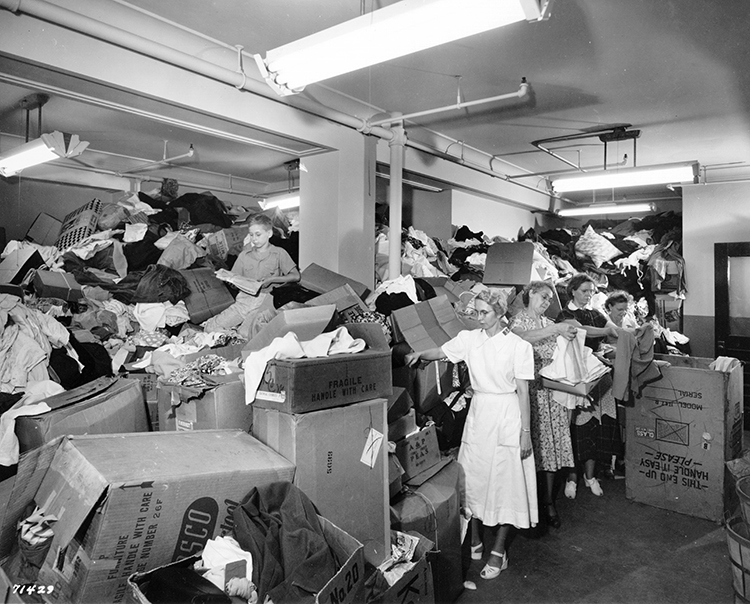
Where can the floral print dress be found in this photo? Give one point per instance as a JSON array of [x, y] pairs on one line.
[[550, 426]]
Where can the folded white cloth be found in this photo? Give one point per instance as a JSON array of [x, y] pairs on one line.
[[338, 341], [724, 364]]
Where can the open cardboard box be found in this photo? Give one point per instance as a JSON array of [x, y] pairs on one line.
[[129, 503], [340, 589], [304, 385], [306, 322], [579, 389], [105, 406], [348, 303]]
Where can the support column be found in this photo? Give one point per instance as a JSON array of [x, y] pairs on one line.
[[395, 200]]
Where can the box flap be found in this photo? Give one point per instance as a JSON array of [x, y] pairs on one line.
[[44, 230], [371, 333], [18, 263], [81, 393], [422, 477], [71, 488], [509, 263], [321, 280], [307, 323], [428, 324], [343, 297], [32, 468]]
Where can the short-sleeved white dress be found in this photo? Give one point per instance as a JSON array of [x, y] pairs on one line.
[[499, 486]]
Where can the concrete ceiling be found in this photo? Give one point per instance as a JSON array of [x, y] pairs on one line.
[[674, 69]]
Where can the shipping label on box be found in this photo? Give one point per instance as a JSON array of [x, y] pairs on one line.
[[327, 448], [418, 452], [680, 433], [131, 503]]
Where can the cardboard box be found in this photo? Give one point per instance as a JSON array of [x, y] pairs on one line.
[[342, 588], [304, 385], [432, 383], [427, 324], [669, 312], [57, 284], [105, 406], [148, 385], [580, 389], [208, 297], [328, 448], [510, 264], [680, 434], [402, 427], [182, 408], [418, 452], [18, 263], [348, 304], [415, 586], [10, 592], [44, 230], [133, 502], [79, 224], [399, 404], [305, 322], [227, 241], [321, 280], [433, 511], [445, 286]]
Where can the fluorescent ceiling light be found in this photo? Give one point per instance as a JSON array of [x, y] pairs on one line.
[[625, 208], [627, 177], [45, 148], [394, 31], [283, 202]]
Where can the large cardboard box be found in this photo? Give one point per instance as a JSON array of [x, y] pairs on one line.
[[208, 295], [399, 403], [133, 502], [104, 406], [426, 325], [348, 304], [342, 588], [57, 284], [79, 224], [182, 408], [321, 280], [680, 433], [304, 385], [341, 462], [16, 265], [305, 322], [44, 230], [403, 426], [509, 264], [427, 384], [433, 511]]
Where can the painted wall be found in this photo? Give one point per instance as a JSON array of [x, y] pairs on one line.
[[494, 218], [712, 213]]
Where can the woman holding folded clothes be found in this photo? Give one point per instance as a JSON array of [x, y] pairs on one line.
[[550, 421], [496, 456], [594, 427]]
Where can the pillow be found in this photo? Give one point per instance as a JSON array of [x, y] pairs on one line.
[[596, 247]]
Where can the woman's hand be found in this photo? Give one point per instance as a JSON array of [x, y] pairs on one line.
[[525, 444], [566, 330], [411, 359]]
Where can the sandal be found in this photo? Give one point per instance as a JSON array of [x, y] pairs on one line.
[[491, 572], [477, 551]]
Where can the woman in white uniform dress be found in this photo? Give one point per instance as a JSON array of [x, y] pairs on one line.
[[495, 454]]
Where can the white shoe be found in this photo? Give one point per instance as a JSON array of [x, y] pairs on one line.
[[570, 489], [594, 485]]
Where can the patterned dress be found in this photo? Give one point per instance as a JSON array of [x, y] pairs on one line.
[[550, 427]]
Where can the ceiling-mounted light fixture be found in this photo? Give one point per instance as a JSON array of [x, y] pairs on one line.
[[394, 31], [282, 202], [597, 209], [627, 177], [45, 148]]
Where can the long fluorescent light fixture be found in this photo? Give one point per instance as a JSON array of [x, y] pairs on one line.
[[400, 29], [43, 149], [627, 177], [283, 202], [624, 208]]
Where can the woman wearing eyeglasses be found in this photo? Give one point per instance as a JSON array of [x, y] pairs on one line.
[[496, 453], [550, 421]]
